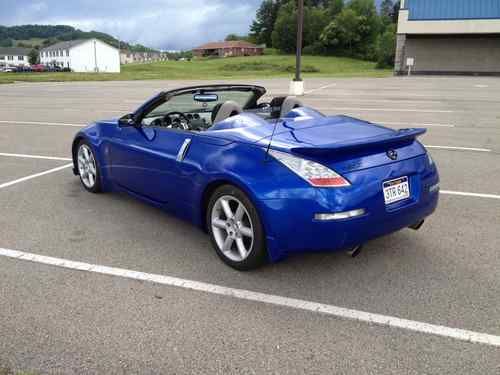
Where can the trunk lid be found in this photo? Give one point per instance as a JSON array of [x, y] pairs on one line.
[[344, 143]]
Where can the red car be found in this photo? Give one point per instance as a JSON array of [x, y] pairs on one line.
[[38, 68]]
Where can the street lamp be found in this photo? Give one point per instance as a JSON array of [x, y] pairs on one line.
[[297, 85]]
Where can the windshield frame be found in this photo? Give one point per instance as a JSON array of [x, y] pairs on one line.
[[165, 96]]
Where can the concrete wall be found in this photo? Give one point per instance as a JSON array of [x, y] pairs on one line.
[[450, 54]]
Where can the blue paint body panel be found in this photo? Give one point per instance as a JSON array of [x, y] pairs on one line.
[[452, 9], [143, 162]]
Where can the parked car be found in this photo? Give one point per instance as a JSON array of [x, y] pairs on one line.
[[38, 68], [23, 69], [264, 179], [53, 68], [8, 69]]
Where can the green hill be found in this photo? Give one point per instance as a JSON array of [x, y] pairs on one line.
[[36, 36]]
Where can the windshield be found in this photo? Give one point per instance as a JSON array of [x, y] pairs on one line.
[[187, 103]]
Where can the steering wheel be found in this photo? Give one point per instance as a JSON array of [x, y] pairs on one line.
[[183, 121]]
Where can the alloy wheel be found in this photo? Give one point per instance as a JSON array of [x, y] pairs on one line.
[[87, 166], [232, 228]]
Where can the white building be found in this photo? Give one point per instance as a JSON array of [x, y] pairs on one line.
[[83, 56], [128, 57], [14, 56]]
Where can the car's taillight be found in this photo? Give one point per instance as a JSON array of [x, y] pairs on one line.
[[316, 174]]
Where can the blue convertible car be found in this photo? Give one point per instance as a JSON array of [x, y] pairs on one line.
[[264, 179]]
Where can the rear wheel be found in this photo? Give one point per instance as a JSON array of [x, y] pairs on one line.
[[235, 229], [88, 168]]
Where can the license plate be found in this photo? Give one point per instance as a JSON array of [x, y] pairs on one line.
[[396, 190]]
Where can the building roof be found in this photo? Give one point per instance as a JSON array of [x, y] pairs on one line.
[[64, 45], [14, 51], [229, 44]]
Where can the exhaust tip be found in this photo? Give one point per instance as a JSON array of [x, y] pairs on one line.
[[417, 226], [355, 251]]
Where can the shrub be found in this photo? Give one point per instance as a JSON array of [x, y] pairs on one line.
[[255, 66]]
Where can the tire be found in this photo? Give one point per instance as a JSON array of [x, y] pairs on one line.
[[88, 167], [239, 240]]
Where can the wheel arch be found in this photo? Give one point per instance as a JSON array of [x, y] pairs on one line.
[[214, 185], [74, 149]]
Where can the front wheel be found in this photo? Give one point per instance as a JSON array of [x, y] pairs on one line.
[[88, 168], [235, 229]]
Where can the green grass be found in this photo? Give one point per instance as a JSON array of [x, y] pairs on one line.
[[267, 66], [8, 371]]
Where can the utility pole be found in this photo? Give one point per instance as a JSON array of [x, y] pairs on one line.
[[297, 85]]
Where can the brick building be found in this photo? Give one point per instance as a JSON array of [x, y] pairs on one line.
[[228, 49]]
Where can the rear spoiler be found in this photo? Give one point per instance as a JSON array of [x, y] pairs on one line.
[[397, 138]]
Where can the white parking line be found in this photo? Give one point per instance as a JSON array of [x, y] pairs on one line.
[[34, 156], [459, 148], [7, 184], [135, 101], [248, 295], [357, 100], [414, 124], [466, 194], [386, 110], [41, 123], [320, 88]]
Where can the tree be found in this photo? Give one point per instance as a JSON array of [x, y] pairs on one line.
[[233, 37], [6, 42], [372, 27], [262, 27], [284, 36], [33, 57], [389, 11], [386, 48], [386, 8], [334, 7], [345, 33], [395, 11]]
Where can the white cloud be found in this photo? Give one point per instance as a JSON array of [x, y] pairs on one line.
[[166, 24]]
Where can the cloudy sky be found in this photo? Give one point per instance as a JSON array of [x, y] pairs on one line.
[[162, 24]]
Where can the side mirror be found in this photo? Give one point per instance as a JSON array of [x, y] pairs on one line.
[[127, 120]]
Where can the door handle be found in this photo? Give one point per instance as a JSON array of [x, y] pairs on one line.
[[183, 150]]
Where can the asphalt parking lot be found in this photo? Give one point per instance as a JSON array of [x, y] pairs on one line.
[[62, 320]]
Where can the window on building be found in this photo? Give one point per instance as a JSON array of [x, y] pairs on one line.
[[10, 58], [67, 52], [20, 58], [2, 57]]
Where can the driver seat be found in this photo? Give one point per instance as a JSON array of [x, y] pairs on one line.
[[225, 110]]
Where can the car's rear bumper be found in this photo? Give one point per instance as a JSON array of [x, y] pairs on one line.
[[291, 226]]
